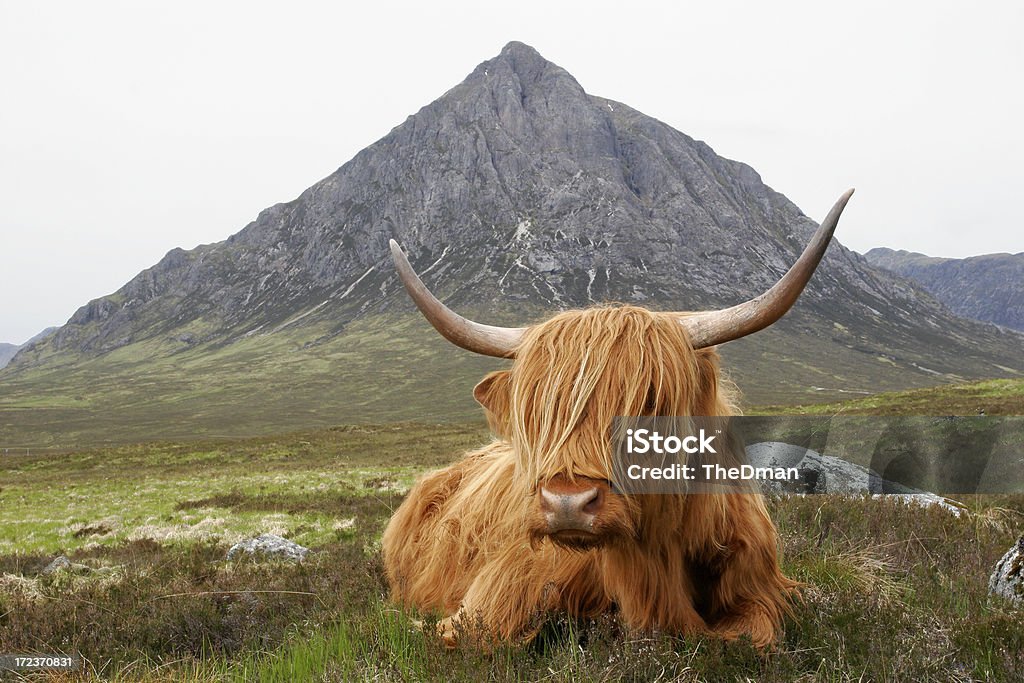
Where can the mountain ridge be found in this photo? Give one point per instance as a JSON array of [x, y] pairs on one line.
[[515, 194], [9, 351], [987, 287]]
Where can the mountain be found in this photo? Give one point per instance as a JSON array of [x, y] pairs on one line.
[[988, 287], [516, 194], [8, 351]]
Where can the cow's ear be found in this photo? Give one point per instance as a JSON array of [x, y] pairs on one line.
[[493, 394]]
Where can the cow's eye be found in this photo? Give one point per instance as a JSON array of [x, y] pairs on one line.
[[651, 404]]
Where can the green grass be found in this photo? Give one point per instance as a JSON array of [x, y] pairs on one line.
[[393, 368], [182, 492], [261, 385], [893, 592], [990, 397]]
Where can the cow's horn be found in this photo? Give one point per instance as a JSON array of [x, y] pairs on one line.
[[488, 340], [717, 327]]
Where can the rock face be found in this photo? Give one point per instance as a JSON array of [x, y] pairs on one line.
[[824, 474], [269, 546], [988, 287], [1008, 578]]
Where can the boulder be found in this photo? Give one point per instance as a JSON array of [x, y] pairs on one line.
[[1008, 577], [62, 564], [269, 546], [826, 474]]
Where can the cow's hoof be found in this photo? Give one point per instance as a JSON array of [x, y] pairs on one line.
[[446, 630], [759, 628]]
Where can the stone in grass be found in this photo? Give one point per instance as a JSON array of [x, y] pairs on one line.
[[1008, 578], [827, 474], [62, 564], [269, 546]]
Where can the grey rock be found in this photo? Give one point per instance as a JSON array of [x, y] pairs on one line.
[[824, 474], [1007, 579], [776, 454], [268, 546], [62, 564], [818, 473], [989, 287], [925, 499]]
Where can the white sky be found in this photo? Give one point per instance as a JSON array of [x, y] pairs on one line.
[[130, 128]]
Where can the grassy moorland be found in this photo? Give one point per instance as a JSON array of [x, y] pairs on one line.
[[893, 592], [379, 369], [257, 386], [988, 397]]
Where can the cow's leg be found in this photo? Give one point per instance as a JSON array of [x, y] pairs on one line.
[[750, 596], [653, 589], [500, 602], [509, 597]]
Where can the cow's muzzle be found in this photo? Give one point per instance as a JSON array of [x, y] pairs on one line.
[[572, 506]]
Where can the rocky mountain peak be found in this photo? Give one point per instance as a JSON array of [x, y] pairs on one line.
[[522, 69], [528, 65], [515, 194]]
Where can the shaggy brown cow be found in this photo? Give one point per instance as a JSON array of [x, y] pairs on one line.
[[528, 524]]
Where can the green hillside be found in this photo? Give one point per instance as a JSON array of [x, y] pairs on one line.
[[989, 397], [380, 369]]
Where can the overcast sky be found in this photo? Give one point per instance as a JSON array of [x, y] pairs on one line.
[[128, 129]]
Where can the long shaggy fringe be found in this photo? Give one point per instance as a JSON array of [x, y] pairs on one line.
[[460, 544], [581, 369]]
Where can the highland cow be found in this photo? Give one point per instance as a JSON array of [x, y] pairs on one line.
[[529, 525]]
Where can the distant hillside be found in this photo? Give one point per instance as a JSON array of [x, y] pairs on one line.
[[988, 287], [516, 194], [9, 351]]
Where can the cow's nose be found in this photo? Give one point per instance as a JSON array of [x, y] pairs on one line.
[[571, 510]]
